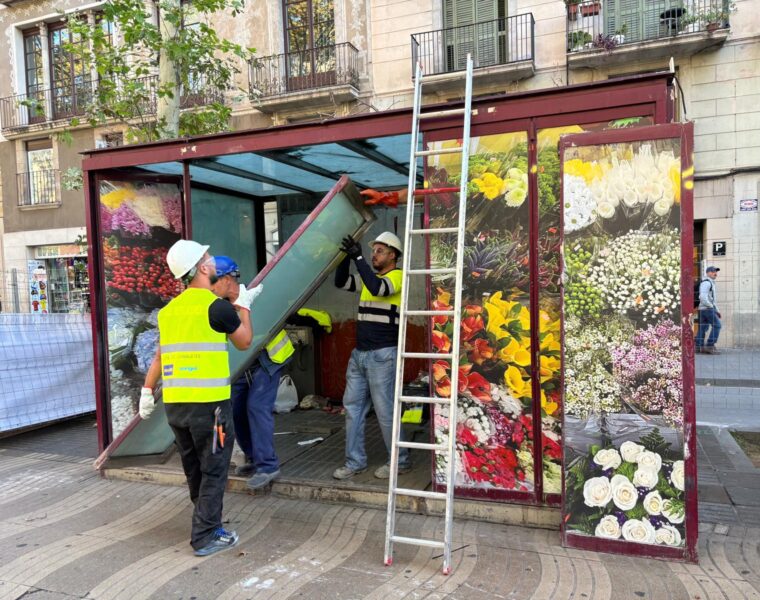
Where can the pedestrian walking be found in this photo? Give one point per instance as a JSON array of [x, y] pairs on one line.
[[254, 393], [371, 371], [193, 363], [709, 315]]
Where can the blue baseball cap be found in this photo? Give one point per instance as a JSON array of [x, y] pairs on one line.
[[226, 266]]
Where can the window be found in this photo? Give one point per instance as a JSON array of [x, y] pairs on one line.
[[70, 80], [474, 27], [309, 42], [35, 80], [38, 184], [113, 140]]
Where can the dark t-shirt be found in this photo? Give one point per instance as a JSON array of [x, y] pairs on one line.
[[223, 317]]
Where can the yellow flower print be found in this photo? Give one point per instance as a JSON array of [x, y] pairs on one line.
[[513, 379], [549, 343], [489, 184], [675, 180], [514, 353], [549, 407], [112, 200], [549, 365]]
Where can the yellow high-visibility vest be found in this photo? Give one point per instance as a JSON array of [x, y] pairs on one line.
[[382, 309], [195, 365], [280, 348]]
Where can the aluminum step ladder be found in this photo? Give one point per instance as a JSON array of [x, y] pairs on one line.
[[411, 277]]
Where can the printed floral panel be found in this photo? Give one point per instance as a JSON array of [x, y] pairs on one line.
[[548, 276], [623, 391], [139, 222], [494, 448]]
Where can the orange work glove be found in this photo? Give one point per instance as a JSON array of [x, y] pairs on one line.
[[386, 198]]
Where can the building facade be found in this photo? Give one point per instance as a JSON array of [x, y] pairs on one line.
[[321, 59]]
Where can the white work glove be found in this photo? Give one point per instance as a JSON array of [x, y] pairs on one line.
[[147, 402], [246, 297]]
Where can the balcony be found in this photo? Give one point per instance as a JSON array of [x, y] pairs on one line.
[[294, 79], [502, 48], [39, 189], [611, 33], [47, 108]]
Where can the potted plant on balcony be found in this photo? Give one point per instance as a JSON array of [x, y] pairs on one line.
[[717, 16], [604, 42], [572, 9], [589, 9], [577, 40], [619, 36]]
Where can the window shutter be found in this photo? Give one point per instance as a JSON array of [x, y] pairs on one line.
[[628, 13], [487, 32], [651, 11]]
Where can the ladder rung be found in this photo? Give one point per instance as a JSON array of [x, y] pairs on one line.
[[446, 271], [416, 541], [430, 313], [457, 150], [441, 113], [423, 446], [430, 355], [435, 230], [424, 400], [420, 493]]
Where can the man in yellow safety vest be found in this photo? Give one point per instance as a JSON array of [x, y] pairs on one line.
[[371, 369], [193, 363], [254, 394]]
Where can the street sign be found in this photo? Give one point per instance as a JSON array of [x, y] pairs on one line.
[[719, 248], [748, 204]]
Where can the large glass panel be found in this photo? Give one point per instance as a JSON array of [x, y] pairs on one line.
[[623, 383], [495, 420], [549, 286], [139, 222], [226, 223], [302, 262], [300, 265]]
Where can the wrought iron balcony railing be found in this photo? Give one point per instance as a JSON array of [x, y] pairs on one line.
[[304, 70], [491, 43], [49, 105], [604, 24], [39, 188]]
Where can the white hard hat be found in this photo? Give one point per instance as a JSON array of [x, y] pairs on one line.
[[183, 256], [389, 239]]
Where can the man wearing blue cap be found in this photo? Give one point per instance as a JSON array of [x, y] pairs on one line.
[[709, 316], [254, 393]]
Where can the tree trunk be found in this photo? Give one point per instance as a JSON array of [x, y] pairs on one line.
[[168, 108]]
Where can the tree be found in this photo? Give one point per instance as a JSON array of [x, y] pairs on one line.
[[152, 69]]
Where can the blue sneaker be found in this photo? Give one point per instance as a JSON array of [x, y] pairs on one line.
[[222, 540], [260, 480]]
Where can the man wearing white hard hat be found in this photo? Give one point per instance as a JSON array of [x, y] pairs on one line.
[[371, 371], [193, 362]]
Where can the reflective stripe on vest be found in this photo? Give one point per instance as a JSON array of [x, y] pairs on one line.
[[195, 363], [382, 309], [280, 348]]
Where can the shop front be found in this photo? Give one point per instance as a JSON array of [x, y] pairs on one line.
[[577, 274], [58, 279]]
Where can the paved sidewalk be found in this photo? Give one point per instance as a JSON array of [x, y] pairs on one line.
[[70, 535]]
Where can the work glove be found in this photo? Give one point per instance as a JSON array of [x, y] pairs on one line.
[[246, 297], [147, 402], [374, 197], [351, 247]]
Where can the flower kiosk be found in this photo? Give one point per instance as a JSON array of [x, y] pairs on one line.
[[576, 359]]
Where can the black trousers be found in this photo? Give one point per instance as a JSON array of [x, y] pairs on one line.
[[206, 471]]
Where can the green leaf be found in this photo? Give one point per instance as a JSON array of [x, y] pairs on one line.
[[654, 442], [637, 512], [627, 469]]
